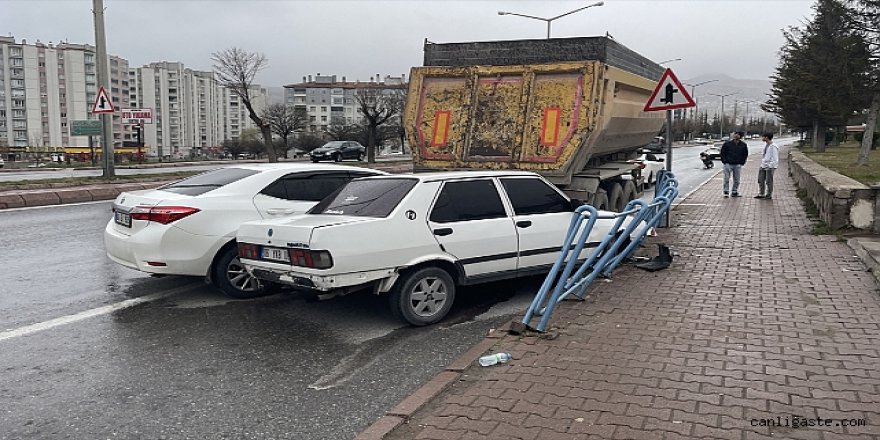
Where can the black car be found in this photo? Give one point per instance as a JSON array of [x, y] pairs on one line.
[[658, 145], [338, 150]]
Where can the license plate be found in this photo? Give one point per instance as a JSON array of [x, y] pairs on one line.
[[276, 254], [122, 218]]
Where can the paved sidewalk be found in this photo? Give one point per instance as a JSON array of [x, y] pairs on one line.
[[756, 319]]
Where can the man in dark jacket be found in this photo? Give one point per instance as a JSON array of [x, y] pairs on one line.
[[733, 155]]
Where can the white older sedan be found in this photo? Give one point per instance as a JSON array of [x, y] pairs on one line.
[[417, 237], [188, 227]]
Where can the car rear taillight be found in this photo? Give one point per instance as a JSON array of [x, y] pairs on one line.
[[309, 258], [162, 214], [249, 251]]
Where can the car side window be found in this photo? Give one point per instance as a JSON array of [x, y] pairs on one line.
[[468, 200], [306, 187], [534, 196]]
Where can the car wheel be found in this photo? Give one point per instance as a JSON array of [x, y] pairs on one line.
[[423, 297], [233, 280], [361, 157], [650, 180], [337, 157]]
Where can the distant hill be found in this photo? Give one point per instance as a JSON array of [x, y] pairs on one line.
[[754, 90]]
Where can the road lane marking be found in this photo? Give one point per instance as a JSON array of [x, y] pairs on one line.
[[86, 314]]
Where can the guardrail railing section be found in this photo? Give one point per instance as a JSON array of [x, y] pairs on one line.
[[573, 272]]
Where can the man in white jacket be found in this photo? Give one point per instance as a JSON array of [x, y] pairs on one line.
[[769, 163]]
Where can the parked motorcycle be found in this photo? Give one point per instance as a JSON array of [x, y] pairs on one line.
[[707, 161]]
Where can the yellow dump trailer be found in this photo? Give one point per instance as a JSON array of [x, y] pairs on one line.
[[570, 109]]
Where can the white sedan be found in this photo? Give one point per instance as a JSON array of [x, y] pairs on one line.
[[652, 164], [417, 237], [188, 227]]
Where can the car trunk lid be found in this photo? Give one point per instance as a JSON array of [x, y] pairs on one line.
[[127, 202]]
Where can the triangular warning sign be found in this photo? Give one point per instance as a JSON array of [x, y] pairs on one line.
[[102, 102], [669, 94]]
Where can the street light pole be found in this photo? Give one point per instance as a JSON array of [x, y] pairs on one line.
[[721, 133], [550, 20], [696, 102]]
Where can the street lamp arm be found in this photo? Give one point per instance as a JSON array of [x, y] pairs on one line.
[[701, 83], [576, 10], [523, 15]]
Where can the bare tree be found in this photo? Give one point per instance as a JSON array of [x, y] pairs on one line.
[[378, 104], [236, 69], [284, 120], [339, 130], [233, 147]]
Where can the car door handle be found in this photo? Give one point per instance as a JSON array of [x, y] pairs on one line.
[[443, 231], [523, 224], [280, 211]]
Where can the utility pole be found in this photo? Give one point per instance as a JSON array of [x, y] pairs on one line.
[[103, 81]]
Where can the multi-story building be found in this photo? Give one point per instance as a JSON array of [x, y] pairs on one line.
[[191, 111], [44, 86], [328, 102], [234, 113]]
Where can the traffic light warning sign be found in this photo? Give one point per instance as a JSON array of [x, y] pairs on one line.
[[669, 94]]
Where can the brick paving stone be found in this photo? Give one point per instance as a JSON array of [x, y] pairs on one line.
[[757, 318]]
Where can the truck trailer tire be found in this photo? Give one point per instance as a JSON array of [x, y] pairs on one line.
[[615, 197], [629, 192], [600, 200]]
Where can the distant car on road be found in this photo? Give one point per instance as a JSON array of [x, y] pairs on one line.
[[338, 150], [651, 165], [658, 145], [714, 152], [2, 162], [188, 227]]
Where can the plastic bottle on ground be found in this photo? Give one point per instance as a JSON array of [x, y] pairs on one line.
[[492, 359]]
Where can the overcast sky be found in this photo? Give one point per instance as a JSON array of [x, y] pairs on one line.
[[358, 39]]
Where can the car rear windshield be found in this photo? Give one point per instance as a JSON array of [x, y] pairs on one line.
[[366, 198], [202, 183]]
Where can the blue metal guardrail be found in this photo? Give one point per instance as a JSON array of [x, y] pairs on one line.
[[623, 238]]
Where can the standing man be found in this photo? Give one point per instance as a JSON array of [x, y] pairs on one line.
[[733, 156], [769, 163]]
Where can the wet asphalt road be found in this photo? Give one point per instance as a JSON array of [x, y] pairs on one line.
[[185, 363], [189, 364]]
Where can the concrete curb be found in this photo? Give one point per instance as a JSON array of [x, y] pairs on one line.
[[404, 410], [868, 250], [61, 196]]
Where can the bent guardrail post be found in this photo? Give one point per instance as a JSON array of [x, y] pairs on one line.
[[574, 226], [607, 255]]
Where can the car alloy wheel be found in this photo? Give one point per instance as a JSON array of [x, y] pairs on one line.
[[233, 279], [424, 296]]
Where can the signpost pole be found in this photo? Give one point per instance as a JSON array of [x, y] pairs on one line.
[[103, 81], [667, 221], [92, 149]]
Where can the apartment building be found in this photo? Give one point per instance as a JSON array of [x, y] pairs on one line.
[[192, 113], [235, 114], [44, 86], [328, 101]]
